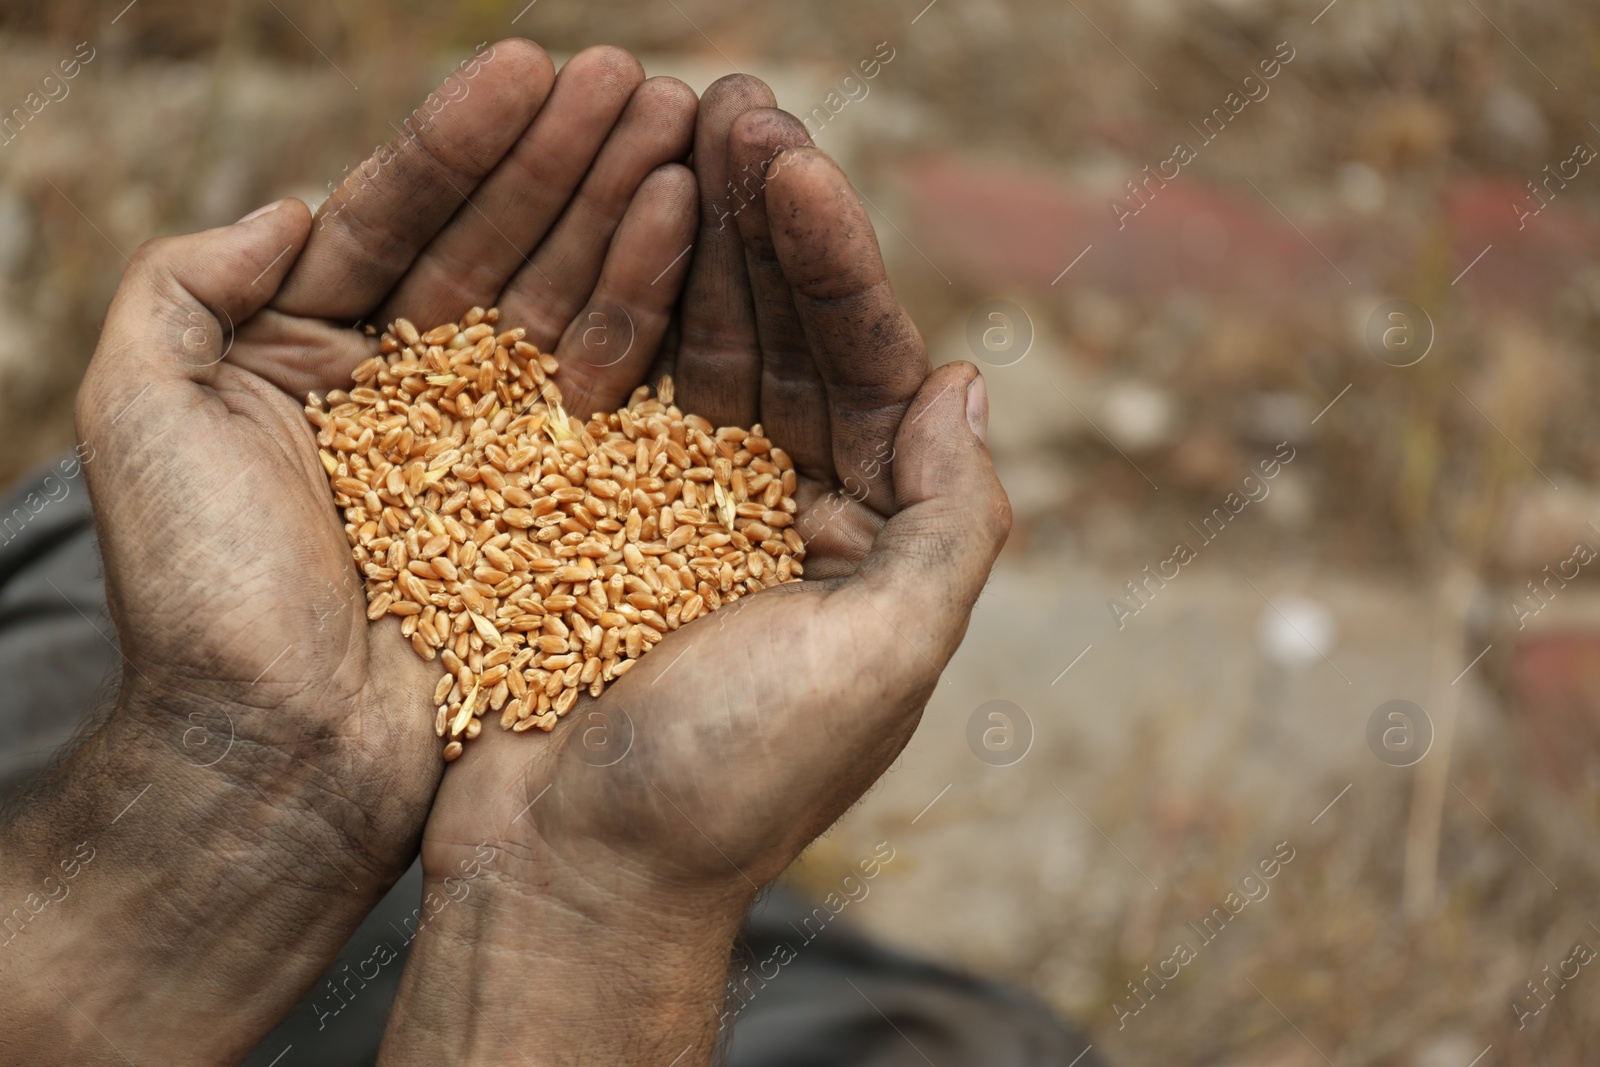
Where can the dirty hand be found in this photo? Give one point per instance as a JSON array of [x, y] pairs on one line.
[[598, 875], [266, 772]]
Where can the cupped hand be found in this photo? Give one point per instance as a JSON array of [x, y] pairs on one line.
[[241, 619], [664, 805]]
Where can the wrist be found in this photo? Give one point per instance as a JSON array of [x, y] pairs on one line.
[[504, 972], [137, 880], [288, 766]]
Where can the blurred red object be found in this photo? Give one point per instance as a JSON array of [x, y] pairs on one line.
[[1555, 702], [1022, 228]]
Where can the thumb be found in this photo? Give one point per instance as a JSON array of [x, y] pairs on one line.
[[171, 322], [931, 560], [174, 313]]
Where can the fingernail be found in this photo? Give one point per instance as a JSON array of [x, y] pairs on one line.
[[258, 212], [978, 408]]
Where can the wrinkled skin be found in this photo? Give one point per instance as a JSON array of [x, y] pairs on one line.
[[711, 764], [564, 199]]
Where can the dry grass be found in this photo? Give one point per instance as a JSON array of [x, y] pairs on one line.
[[1333, 950], [193, 115]]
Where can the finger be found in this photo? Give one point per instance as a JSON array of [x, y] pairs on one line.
[[555, 283], [174, 314], [718, 370], [167, 336], [489, 238], [794, 401], [869, 353], [609, 346], [931, 560], [373, 226]]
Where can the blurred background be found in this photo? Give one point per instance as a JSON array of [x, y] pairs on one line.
[[1320, 383]]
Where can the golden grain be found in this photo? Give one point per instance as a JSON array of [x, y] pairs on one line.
[[538, 557]]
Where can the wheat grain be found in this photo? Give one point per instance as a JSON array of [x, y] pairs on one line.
[[538, 557]]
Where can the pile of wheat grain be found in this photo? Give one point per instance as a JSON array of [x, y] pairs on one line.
[[534, 555]]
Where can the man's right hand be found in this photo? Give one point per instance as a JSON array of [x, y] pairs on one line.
[[265, 775]]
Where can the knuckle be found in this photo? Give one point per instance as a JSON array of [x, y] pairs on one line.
[[152, 254]]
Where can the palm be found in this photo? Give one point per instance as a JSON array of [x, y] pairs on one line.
[[743, 734], [268, 601]]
